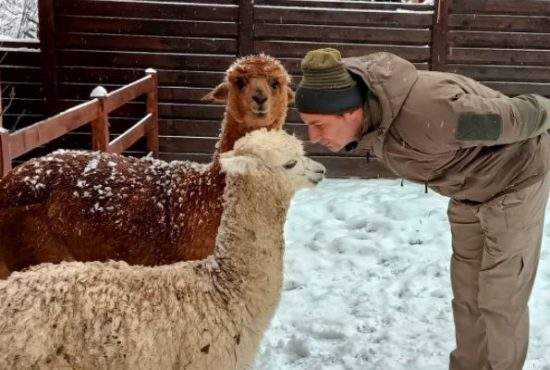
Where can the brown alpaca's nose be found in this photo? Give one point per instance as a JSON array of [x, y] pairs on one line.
[[259, 98]]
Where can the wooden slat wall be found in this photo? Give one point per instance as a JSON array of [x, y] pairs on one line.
[[190, 44], [20, 81], [22, 90], [287, 29], [503, 43]]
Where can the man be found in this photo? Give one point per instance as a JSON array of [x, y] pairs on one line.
[[489, 153]]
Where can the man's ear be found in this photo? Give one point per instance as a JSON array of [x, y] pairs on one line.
[[218, 94], [290, 95], [237, 164]]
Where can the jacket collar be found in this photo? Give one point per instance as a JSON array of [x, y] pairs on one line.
[[389, 77], [372, 114]]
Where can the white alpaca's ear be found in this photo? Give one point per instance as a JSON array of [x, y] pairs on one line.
[[219, 94], [290, 95], [238, 164]]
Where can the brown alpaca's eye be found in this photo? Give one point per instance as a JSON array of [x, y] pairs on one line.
[[289, 165], [240, 82], [274, 84]]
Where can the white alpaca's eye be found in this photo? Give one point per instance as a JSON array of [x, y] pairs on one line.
[[289, 165]]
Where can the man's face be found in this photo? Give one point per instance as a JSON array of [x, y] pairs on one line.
[[333, 131]]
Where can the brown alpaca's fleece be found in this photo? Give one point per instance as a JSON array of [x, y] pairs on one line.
[[91, 206], [196, 315], [48, 215]]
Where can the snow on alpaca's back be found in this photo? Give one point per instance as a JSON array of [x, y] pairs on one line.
[[102, 182]]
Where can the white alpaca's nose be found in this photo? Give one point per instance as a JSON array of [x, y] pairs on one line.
[[316, 171]]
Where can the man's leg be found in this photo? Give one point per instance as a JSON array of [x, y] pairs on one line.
[[468, 241], [513, 226]]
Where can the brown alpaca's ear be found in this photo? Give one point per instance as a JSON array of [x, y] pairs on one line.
[[219, 94], [290, 94]]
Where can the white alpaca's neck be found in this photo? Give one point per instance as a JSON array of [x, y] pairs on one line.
[[250, 245]]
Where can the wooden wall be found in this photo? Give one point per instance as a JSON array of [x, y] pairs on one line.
[[21, 83], [503, 43]]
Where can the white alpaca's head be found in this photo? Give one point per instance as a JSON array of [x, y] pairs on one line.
[[275, 151]]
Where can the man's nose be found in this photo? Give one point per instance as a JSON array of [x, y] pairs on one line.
[[313, 133]]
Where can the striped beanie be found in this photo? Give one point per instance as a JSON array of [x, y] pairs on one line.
[[326, 86]]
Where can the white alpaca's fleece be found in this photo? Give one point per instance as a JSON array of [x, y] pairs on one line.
[[208, 314]]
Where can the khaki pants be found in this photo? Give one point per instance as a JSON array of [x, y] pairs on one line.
[[496, 249]]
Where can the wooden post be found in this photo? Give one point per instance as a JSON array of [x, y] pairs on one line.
[[5, 157], [152, 129], [439, 35], [100, 125], [1, 109], [246, 27], [46, 34]]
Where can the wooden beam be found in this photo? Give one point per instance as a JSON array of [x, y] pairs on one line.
[[246, 27], [513, 7], [5, 156], [150, 27], [439, 35], [147, 43], [132, 135], [342, 34], [100, 125], [340, 16], [297, 49], [1, 109], [170, 10], [152, 127], [119, 97], [28, 138], [130, 59], [46, 34], [503, 23]]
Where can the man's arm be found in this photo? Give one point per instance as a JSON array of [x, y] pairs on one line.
[[502, 120]]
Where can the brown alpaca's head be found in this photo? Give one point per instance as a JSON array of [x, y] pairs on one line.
[[257, 92]]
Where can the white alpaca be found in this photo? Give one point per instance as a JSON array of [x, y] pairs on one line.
[[208, 314]]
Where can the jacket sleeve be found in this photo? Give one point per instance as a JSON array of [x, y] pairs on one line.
[[486, 121]]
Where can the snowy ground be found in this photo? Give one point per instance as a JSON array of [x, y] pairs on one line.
[[367, 283]]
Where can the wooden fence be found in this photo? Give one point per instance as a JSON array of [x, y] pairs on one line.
[[504, 43], [96, 112]]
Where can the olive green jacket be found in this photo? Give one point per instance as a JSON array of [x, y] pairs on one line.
[[462, 139]]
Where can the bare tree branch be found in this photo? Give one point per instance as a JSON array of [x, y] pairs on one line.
[[18, 18]]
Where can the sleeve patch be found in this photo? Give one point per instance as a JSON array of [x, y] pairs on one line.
[[474, 127]]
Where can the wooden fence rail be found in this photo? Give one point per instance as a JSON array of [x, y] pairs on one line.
[[96, 111]]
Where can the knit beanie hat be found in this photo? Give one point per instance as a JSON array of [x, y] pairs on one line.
[[326, 86]]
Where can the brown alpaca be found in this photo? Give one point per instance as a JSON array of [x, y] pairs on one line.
[[91, 206]]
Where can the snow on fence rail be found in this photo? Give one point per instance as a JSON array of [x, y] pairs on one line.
[[96, 111]]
